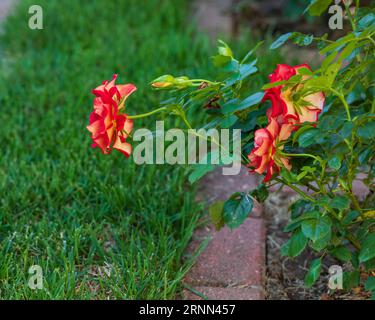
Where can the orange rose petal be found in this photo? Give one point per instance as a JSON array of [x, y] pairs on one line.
[[273, 127], [263, 165], [286, 163], [128, 127], [285, 131], [102, 142], [123, 146], [96, 126]]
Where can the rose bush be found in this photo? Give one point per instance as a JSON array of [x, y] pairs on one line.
[[310, 130]]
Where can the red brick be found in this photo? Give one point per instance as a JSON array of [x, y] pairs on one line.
[[232, 257], [229, 293], [216, 186], [360, 189], [5, 6]]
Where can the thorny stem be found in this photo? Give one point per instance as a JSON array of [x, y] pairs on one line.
[[144, 115], [300, 155], [299, 191], [342, 99]]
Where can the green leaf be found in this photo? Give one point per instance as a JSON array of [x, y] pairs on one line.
[[342, 253], [216, 214], [340, 202], [313, 273], [274, 84], [237, 209], [334, 163], [350, 217], [368, 248], [328, 60], [228, 122], [302, 40], [224, 49], [347, 129], [349, 48], [288, 175], [252, 51], [250, 101], [308, 215], [351, 279], [260, 193], [330, 74], [322, 243], [316, 229], [367, 131], [199, 170], [366, 21], [281, 40], [317, 7], [296, 244], [370, 264], [220, 61], [299, 207], [324, 201], [241, 73], [370, 284], [307, 137], [247, 69], [292, 226], [364, 156], [338, 43], [297, 38], [297, 221], [301, 175]]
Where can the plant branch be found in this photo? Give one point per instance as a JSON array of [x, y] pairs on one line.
[[144, 115]]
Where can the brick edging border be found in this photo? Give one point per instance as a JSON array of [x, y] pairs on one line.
[[233, 264]]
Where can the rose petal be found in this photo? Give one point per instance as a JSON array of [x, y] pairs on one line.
[[122, 146]]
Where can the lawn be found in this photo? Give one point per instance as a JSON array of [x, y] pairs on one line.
[[99, 226]]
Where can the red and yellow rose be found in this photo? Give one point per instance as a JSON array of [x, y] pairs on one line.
[[109, 128], [267, 143], [283, 116], [282, 105]]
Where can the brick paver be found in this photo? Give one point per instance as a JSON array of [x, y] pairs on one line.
[[5, 6], [232, 265], [217, 293], [232, 257]]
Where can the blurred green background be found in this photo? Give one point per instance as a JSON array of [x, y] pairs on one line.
[[99, 226]]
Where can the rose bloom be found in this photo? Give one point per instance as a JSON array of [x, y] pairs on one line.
[[267, 141], [161, 84], [283, 108], [107, 126]]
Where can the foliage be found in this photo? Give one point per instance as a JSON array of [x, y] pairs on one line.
[[320, 157]]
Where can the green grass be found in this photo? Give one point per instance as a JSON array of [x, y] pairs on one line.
[[65, 206]]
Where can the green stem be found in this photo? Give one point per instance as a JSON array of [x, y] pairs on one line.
[[183, 117], [372, 40], [355, 202], [143, 115], [206, 81], [187, 123], [342, 98], [299, 191], [353, 241], [312, 187], [350, 16], [300, 155]]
